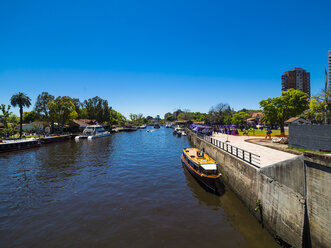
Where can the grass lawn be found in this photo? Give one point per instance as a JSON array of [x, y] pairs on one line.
[[26, 136], [258, 132], [307, 150]]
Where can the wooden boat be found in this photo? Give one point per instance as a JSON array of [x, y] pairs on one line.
[[203, 168], [156, 126]]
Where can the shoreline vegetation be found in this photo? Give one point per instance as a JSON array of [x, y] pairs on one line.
[[53, 115]]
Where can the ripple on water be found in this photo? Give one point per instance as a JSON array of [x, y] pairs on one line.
[[126, 190]]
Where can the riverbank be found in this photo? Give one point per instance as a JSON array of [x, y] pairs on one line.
[[26, 143], [276, 191]]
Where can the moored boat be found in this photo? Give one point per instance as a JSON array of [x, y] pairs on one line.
[[202, 167], [142, 126], [156, 125], [92, 132]]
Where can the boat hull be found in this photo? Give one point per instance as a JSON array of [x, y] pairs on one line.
[[98, 136], [210, 184], [92, 136]]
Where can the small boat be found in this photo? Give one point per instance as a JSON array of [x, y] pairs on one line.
[[92, 132], [142, 126], [179, 131], [168, 125], [203, 168], [183, 133], [156, 125]]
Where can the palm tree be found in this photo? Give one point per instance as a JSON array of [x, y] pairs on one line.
[[21, 100]]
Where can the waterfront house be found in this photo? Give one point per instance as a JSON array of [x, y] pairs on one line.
[[33, 126], [297, 120], [79, 125], [255, 118]]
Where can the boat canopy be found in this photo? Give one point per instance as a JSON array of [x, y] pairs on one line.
[[209, 166]]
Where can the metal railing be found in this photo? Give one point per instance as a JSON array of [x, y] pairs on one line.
[[242, 154]]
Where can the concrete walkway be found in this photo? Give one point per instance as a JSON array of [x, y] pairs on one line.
[[268, 156]]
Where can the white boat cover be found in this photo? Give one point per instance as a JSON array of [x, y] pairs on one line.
[[209, 166]]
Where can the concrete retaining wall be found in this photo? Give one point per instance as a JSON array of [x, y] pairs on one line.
[[318, 178], [313, 137], [282, 203], [295, 194]]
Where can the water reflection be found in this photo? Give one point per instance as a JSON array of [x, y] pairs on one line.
[[126, 190], [200, 193]]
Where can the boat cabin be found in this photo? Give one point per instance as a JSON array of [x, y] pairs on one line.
[[93, 130], [200, 161]]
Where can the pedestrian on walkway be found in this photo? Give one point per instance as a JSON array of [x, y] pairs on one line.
[[268, 133]]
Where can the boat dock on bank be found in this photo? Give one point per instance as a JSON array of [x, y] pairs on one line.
[[14, 145], [26, 143], [57, 138]]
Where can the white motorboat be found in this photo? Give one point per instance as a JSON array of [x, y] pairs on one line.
[[142, 126], [178, 130], [92, 132]]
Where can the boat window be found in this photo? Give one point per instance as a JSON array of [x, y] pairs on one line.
[[210, 172]]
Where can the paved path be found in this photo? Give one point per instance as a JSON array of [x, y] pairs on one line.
[[267, 155]]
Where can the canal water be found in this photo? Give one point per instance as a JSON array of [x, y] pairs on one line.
[[126, 190]]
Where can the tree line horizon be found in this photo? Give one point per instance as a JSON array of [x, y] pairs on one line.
[[62, 109]]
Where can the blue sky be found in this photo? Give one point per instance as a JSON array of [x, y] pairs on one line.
[[152, 57]]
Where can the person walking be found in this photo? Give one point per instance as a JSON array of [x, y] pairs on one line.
[[268, 133]]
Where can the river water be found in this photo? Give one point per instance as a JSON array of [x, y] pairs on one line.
[[126, 190]]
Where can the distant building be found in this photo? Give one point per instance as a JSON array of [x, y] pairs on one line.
[[297, 120], [329, 70], [297, 79]]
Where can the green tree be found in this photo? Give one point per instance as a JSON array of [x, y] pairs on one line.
[[97, 109], [217, 114], [319, 108], [61, 110], [21, 100], [14, 120], [137, 119], [78, 107], [116, 118], [41, 106], [30, 116], [185, 115], [197, 116], [169, 117], [5, 114], [239, 118], [290, 104], [228, 119]]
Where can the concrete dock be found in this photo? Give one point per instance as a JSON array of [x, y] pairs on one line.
[[289, 194], [268, 156]]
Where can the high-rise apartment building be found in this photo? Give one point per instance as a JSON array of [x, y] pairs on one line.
[[329, 69], [297, 79]]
